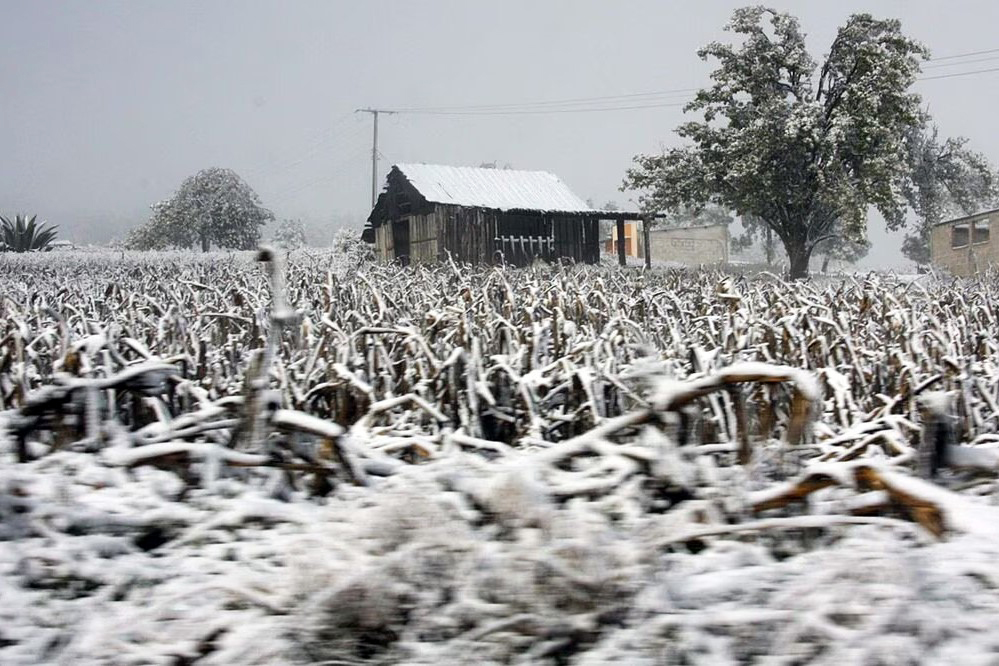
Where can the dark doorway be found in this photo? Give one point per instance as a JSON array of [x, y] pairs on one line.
[[523, 238], [400, 240]]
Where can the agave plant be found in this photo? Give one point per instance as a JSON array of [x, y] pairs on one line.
[[23, 235]]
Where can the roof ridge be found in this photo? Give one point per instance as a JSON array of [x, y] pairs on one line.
[[487, 187], [987, 211], [473, 168]]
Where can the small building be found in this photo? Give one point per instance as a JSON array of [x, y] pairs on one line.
[[482, 215], [633, 245], [966, 245], [691, 246]]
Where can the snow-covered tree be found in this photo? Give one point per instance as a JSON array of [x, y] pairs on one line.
[[948, 179], [755, 230], [842, 247], [215, 206], [690, 216], [348, 245], [806, 148], [290, 235]]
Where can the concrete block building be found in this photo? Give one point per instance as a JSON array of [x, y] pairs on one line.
[[965, 246], [691, 246]]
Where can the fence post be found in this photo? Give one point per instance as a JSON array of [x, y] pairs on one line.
[[620, 242], [647, 240]]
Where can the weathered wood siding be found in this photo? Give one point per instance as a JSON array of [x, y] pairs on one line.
[[410, 229], [578, 239], [383, 242], [467, 233], [482, 236], [423, 238]]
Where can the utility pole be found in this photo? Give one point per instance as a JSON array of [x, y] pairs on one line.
[[374, 152]]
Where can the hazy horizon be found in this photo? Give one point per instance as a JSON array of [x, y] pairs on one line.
[[109, 106]]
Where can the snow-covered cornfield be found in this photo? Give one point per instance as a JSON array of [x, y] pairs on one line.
[[209, 459]]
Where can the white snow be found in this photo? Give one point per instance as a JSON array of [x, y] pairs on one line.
[[606, 542], [415, 563], [500, 189]]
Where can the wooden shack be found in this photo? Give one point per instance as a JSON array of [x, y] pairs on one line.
[[427, 212]]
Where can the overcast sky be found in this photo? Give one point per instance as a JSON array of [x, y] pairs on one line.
[[107, 106]]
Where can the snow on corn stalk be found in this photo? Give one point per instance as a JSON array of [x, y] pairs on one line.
[[513, 458]]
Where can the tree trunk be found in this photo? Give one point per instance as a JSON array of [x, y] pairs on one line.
[[825, 264], [205, 243], [798, 254], [769, 246]]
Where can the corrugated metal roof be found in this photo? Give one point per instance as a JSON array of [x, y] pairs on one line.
[[501, 189]]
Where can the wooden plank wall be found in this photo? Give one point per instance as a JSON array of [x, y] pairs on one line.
[[524, 238], [475, 236], [383, 242], [467, 233], [577, 239], [423, 238], [471, 235]]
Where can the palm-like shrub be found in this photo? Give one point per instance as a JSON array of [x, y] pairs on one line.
[[22, 234]]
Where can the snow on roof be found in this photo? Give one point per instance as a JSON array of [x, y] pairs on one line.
[[502, 189], [968, 217], [687, 228]]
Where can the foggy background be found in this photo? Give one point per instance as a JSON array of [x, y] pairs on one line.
[[106, 107]]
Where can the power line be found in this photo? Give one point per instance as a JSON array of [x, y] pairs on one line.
[[961, 63], [499, 110], [964, 55], [343, 141], [518, 112], [333, 174], [572, 101], [341, 165], [317, 141], [954, 74], [596, 104]]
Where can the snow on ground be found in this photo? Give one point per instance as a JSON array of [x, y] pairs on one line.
[[99, 565], [587, 536]]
